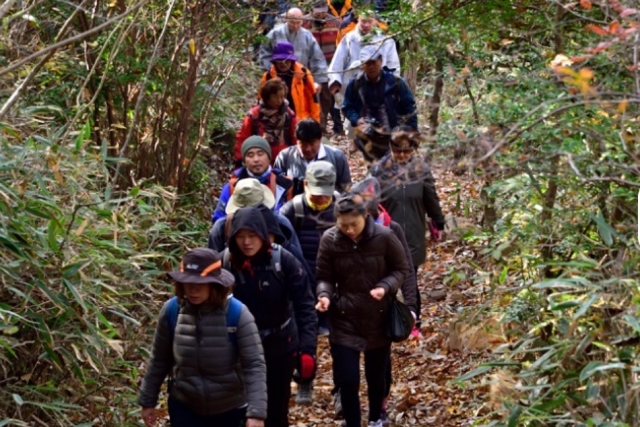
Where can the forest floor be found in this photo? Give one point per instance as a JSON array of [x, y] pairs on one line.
[[422, 393]]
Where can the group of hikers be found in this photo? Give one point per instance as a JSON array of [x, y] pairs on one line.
[[297, 250]]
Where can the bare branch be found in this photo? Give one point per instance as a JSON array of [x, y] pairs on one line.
[[70, 40]]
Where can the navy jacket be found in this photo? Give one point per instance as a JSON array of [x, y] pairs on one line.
[[288, 239], [310, 230], [400, 104], [273, 302]]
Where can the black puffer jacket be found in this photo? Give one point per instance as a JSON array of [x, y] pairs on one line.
[[408, 194], [347, 271], [310, 229], [273, 301]]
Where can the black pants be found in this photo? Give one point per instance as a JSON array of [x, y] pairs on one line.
[[181, 416], [346, 367], [279, 373], [418, 298]]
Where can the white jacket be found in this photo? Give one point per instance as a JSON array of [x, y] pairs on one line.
[[346, 61]]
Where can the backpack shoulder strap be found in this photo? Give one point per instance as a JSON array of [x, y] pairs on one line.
[[276, 261], [233, 318], [173, 309], [298, 209]]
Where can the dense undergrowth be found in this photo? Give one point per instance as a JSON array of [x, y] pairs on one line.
[[82, 275]]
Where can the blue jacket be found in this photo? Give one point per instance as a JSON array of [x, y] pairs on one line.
[[282, 193], [400, 104]]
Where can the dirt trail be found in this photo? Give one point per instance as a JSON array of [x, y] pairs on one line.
[[421, 394]]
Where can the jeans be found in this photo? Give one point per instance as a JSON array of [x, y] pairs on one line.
[[346, 369], [279, 373], [181, 416]]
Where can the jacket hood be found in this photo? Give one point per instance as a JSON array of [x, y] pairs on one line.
[[272, 223], [247, 219]]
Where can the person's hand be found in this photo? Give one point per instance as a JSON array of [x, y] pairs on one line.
[[254, 422], [437, 235], [334, 88], [377, 293], [149, 417], [361, 121], [323, 304], [318, 88]]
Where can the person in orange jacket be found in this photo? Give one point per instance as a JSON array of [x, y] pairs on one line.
[[301, 95]]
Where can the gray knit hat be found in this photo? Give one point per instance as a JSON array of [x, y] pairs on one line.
[[256, 142]]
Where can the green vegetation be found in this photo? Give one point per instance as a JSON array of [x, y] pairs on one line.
[[105, 106]]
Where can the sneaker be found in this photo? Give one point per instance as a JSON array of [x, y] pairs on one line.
[[337, 405], [415, 333], [384, 419], [305, 394], [375, 423]]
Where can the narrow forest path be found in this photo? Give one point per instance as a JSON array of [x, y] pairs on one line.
[[421, 394]]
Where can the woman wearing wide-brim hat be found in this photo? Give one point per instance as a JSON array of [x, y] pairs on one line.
[[217, 370]]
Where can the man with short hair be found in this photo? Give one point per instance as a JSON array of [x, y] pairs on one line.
[[256, 158], [324, 28], [293, 161], [311, 214], [377, 95], [306, 47]]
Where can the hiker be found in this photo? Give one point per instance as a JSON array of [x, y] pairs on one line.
[[376, 98], [408, 194], [352, 20], [369, 189], [346, 58], [293, 161], [305, 46], [251, 193], [209, 345], [311, 214], [324, 27], [339, 8], [360, 267], [301, 89], [271, 119], [275, 288], [256, 159]]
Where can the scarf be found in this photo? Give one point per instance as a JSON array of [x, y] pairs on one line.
[[273, 121], [315, 206]]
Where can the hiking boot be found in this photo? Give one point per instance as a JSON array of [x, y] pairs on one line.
[[384, 419], [375, 423], [305, 394], [337, 405]]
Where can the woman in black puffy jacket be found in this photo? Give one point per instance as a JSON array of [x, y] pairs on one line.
[[271, 282]]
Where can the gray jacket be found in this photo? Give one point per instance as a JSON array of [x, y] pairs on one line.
[[209, 374], [305, 46], [292, 164]]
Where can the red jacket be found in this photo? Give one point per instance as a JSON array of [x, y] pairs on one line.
[[252, 125]]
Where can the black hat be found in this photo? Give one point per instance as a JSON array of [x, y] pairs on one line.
[[202, 266]]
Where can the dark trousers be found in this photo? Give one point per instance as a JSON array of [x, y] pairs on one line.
[[327, 107], [279, 373], [418, 298], [181, 416], [346, 366]]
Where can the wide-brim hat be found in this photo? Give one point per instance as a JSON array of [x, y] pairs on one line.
[[202, 266], [249, 192]]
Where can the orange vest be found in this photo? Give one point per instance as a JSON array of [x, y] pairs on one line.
[[345, 8], [303, 91]]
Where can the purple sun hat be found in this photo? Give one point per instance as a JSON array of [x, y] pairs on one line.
[[283, 51]]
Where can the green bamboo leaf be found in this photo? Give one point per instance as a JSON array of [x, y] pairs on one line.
[[18, 399], [594, 367], [514, 416], [75, 293], [585, 306], [564, 305], [478, 371], [606, 231], [632, 321], [52, 236]]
